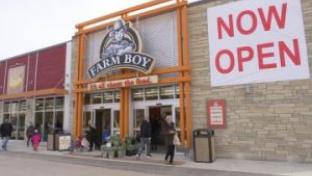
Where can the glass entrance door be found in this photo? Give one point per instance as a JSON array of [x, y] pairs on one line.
[[102, 122]]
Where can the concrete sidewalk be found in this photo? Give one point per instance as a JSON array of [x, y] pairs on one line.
[[249, 166]]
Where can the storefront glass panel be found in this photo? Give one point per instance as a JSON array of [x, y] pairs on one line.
[[21, 126], [39, 104], [49, 104], [137, 94], [151, 93], [59, 102], [116, 96], [108, 97], [96, 98], [167, 92]]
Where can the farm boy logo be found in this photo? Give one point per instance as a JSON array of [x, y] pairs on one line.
[[257, 41], [121, 48]]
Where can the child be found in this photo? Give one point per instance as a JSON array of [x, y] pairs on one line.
[[36, 139]]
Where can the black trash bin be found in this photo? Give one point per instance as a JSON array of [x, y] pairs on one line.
[[203, 144]]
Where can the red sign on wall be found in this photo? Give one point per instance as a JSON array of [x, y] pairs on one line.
[[216, 114]]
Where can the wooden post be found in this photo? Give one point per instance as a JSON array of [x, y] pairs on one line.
[[187, 85]]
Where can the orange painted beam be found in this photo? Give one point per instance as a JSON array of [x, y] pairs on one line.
[[133, 74], [171, 80], [181, 84], [186, 60], [34, 93]]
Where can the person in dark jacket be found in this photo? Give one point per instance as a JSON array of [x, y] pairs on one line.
[[5, 129], [145, 138], [91, 136], [169, 132], [29, 132]]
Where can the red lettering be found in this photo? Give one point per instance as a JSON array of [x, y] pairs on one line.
[[241, 58], [294, 56], [239, 22], [273, 13], [218, 61], [228, 28], [142, 81], [262, 55]]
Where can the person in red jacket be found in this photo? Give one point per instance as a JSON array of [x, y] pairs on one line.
[[36, 139]]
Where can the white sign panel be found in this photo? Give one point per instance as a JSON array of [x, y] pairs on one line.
[[257, 41]]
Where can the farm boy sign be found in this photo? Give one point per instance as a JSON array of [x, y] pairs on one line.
[[121, 48], [257, 41]]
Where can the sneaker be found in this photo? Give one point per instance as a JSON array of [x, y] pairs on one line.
[[149, 155]]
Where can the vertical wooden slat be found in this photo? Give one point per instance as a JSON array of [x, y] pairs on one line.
[[187, 88], [180, 63]]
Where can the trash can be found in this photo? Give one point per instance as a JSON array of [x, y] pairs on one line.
[[62, 142], [203, 144]]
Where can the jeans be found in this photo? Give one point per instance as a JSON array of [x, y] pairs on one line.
[[147, 142], [5, 141]]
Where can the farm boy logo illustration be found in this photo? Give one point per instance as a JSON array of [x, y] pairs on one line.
[[121, 48]]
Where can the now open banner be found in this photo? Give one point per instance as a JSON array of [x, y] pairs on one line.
[[257, 41]]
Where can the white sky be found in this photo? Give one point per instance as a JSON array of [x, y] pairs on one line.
[[27, 25]]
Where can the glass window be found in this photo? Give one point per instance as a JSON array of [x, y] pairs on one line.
[[96, 98], [167, 92], [117, 96], [59, 120], [13, 120], [39, 121], [6, 107], [138, 117], [39, 104], [151, 93], [137, 94], [48, 125], [13, 107], [59, 102], [22, 106], [177, 91], [49, 103], [108, 97], [86, 119], [5, 116], [87, 99], [21, 126], [116, 119]]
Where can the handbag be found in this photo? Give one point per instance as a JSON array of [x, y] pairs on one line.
[[176, 140]]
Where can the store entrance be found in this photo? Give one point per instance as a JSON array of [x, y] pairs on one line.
[[102, 122], [157, 114]]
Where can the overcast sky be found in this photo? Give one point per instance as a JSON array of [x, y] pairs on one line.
[[27, 25]]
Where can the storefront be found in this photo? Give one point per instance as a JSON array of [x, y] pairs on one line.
[[130, 65], [33, 89]]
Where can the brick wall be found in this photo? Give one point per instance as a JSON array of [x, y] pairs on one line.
[[267, 121]]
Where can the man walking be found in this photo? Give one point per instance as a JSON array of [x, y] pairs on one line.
[[5, 132], [29, 132], [145, 138]]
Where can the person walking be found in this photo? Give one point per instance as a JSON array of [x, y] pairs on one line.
[[91, 137], [36, 139], [169, 132], [145, 138], [5, 129], [29, 133]]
